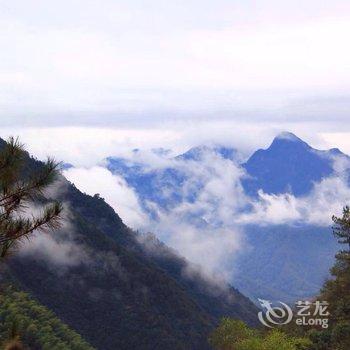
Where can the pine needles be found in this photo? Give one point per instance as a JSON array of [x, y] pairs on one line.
[[15, 194]]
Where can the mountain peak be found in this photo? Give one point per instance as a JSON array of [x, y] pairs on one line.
[[197, 153], [288, 165], [286, 135], [194, 153], [287, 139]]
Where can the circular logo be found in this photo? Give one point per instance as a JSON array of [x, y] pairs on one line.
[[274, 316]]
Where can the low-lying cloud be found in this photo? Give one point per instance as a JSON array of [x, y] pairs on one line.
[[58, 247], [59, 253], [327, 198], [113, 188], [206, 222]]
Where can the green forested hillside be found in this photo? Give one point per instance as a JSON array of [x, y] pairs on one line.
[[37, 327], [116, 294]]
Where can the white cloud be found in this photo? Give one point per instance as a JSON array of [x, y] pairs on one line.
[[112, 188], [57, 247], [219, 201], [195, 229], [69, 59], [63, 253], [327, 198], [338, 139], [86, 147], [201, 227], [213, 209]]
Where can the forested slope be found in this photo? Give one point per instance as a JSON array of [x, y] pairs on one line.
[[116, 294]]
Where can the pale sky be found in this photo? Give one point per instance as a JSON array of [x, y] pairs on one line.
[[166, 67]]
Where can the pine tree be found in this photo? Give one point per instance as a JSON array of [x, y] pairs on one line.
[[18, 191], [336, 291], [341, 229]]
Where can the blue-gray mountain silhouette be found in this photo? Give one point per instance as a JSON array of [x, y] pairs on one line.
[[288, 165], [277, 265]]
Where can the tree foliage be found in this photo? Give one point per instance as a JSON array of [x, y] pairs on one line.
[[18, 192], [24, 320], [236, 335], [341, 229], [337, 292], [229, 334]]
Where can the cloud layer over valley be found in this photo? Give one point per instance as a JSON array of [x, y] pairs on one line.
[[200, 207]]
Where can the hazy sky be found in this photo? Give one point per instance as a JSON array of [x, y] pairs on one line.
[[168, 67], [82, 80]]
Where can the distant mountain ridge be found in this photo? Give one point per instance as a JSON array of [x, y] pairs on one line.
[[288, 165], [197, 153], [160, 185]]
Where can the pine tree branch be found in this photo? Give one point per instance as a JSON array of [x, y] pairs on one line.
[[35, 186], [15, 192], [17, 229]]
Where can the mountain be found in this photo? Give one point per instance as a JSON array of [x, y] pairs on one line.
[[115, 291], [199, 152], [275, 264], [161, 185], [285, 262], [288, 165], [287, 271]]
